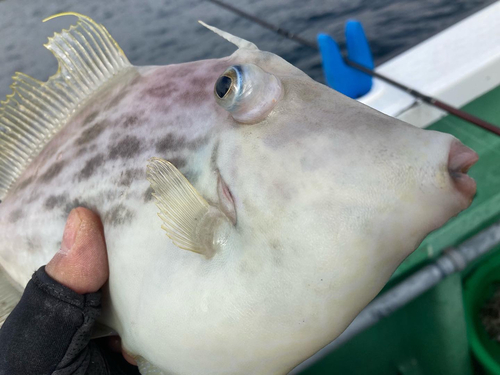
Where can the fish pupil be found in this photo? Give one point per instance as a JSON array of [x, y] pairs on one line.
[[222, 86]]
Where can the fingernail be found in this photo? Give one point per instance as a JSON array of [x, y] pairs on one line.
[[70, 231]]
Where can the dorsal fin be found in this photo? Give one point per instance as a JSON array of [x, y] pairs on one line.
[[88, 58]]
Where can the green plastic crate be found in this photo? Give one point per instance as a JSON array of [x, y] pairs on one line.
[[479, 287]]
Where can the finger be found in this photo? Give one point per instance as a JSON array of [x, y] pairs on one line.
[[129, 358], [82, 262]]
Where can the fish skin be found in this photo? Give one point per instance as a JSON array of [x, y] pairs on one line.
[[90, 152], [330, 197]]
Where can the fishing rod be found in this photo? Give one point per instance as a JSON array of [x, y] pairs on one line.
[[417, 94]]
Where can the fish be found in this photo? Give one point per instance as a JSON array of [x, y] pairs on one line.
[[250, 212]]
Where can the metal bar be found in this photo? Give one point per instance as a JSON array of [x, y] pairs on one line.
[[453, 260], [427, 99], [278, 30]]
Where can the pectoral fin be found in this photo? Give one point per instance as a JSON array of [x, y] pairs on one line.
[[190, 222]]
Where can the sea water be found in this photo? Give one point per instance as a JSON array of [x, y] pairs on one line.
[[159, 32]]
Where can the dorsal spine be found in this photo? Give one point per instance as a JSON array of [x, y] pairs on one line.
[[88, 58]]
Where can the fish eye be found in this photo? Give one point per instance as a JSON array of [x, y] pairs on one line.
[[229, 86], [247, 92], [222, 86]]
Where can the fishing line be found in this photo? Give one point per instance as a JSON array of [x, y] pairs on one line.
[[425, 98]]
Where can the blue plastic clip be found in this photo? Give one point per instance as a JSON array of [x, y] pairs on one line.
[[338, 75]]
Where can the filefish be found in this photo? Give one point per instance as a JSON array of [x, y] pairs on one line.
[[249, 212]]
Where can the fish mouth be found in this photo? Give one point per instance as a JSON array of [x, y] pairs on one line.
[[460, 159]]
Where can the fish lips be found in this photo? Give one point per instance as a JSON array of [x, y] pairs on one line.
[[460, 159]]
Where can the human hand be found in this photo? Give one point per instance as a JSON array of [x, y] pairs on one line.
[[82, 262], [50, 328]]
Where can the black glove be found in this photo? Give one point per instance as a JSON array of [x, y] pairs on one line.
[[48, 332]]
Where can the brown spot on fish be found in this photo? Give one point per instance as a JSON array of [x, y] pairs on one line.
[[81, 151], [55, 201], [90, 167], [88, 120], [90, 134], [136, 80], [164, 91], [118, 215], [86, 150], [148, 195], [74, 204], [52, 172], [202, 81], [16, 215], [213, 157], [130, 121], [126, 148], [174, 143], [116, 100], [33, 244], [24, 183], [130, 176], [197, 143], [192, 98], [169, 142]]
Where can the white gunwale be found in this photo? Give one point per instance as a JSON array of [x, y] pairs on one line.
[[456, 66]]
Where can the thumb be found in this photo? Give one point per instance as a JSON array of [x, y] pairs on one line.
[[82, 262]]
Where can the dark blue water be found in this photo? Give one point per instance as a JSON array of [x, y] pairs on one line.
[[165, 31]]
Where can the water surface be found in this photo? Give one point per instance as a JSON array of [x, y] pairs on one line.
[[158, 32]]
